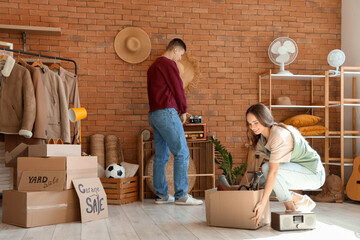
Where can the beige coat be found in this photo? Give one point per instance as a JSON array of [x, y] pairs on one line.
[[57, 105], [17, 99], [41, 121], [71, 91]]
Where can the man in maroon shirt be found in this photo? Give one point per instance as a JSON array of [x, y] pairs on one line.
[[167, 114]]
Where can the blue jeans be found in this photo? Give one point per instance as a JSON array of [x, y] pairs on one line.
[[296, 177], [169, 135]]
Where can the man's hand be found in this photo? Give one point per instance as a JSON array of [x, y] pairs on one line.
[[183, 117]]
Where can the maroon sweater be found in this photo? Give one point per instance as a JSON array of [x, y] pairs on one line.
[[165, 87]]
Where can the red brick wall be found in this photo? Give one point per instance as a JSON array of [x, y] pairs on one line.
[[228, 38]]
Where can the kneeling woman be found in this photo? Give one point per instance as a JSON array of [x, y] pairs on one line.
[[291, 162]]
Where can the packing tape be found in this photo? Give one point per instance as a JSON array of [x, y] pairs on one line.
[[82, 171], [61, 205]]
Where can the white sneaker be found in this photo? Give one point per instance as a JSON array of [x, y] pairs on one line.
[[188, 200], [305, 205], [167, 199]]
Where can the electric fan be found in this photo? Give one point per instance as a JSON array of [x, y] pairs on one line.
[[283, 51], [336, 58]]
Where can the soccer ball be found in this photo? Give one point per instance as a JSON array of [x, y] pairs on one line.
[[115, 171]]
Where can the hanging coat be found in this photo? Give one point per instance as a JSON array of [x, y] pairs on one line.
[[17, 99], [41, 121], [57, 106], [71, 91]]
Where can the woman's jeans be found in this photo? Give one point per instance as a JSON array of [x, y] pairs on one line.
[[169, 134], [295, 177]]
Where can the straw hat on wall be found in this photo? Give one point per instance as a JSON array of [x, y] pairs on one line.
[[189, 71], [132, 44]]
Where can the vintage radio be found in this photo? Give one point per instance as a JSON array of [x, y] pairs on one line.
[[283, 221], [195, 131]]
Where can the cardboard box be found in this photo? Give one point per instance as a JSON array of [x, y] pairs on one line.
[[32, 209], [233, 208], [54, 150], [53, 173]]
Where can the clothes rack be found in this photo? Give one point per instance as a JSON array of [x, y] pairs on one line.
[[40, 55]]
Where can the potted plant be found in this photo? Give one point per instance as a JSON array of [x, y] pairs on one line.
[[224, 159]]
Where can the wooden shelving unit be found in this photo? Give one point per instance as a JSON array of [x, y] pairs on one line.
[[341, 102], [202, 153]]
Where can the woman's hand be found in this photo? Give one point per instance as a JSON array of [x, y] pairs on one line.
[[269, 185], [258, 210]]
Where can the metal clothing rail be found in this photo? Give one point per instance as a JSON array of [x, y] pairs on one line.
[[40, 55]]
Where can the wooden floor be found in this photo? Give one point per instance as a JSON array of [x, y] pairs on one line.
[[150, 221]]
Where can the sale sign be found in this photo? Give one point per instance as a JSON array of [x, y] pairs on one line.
[[42, 181], [92, 197]]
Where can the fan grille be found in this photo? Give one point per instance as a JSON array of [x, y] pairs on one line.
[[336, 58], [283, 50]]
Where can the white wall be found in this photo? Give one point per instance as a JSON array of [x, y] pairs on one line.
[[350, 44]]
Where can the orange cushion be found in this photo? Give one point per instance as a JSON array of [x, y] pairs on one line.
[[312, 130], [302, 120]]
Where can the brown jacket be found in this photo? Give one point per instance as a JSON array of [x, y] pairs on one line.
[[17, 99], [41, 121], [57, 105]]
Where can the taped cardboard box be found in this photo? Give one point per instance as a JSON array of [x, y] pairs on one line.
[[53, 173], [234, 208], [33, 209], [54, 150]]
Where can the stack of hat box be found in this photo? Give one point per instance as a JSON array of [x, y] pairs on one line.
[[45, 192]]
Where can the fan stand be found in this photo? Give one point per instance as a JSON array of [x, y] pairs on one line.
[[282, 70], [335, 72]]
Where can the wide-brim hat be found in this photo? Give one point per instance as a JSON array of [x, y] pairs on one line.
[[132, 44], [189, 71], [283, 101]]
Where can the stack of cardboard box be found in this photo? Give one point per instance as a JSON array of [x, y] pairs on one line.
[[45, 194]]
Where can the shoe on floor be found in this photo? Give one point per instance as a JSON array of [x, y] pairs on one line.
[[305, 205], [166, 199], [188, 200]]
